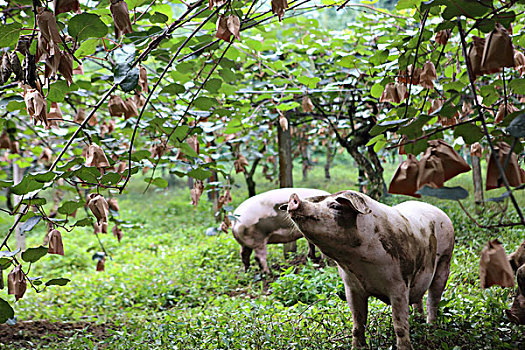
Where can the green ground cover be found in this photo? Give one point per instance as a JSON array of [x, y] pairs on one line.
[[170, 286]]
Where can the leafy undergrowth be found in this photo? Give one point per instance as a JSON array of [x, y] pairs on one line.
[[170, 286]]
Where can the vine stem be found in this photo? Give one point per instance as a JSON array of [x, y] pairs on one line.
[[484, 124]]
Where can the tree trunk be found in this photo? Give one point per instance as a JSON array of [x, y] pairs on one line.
[[477, 179], [328, 160], [248, 176], [306, 162], [285, 171], [213, 195]]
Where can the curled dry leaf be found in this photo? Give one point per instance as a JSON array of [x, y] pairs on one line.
[[225, 199], [113, 204], [96, 157], [139, 100], [494, 267], [55, 243], [502, 112], [143, 79], [196, 192], [46, 155], [394, 92], [223, 32], [119, 11], [54, 116], [498, 51], [62, 6], [475, 54], [519, 58], [240, 164], [226, 224], [157, 150], [101, 264], [307, 105], [5, 141], [5, 69], [52, 63], [476, 150], [116, 106], [279, 7], [36, 106], [99, 207], [442, 36], [283, 122], [130, 109], [117, 232], [48, 35], [428, 75], [16, 66], [406, 76], [16, 282], [234, 26], [66, 67], [217, 3]]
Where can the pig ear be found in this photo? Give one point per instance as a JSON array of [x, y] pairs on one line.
[[354, 202], [283, 207]]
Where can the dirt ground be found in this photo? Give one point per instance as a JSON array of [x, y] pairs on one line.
[[30, 333]]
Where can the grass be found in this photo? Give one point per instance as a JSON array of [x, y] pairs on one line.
[[170, 286]]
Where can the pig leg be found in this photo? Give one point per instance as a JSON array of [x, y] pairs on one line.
[[436, 288], [246, 252], [358, 302], [311, 251], [260, 257], [400, 319]]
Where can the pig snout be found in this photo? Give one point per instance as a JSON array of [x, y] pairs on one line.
[[293, 202]]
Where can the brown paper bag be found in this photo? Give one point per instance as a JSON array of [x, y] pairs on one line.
[[453, 163], [431, 171], [475, 55], [498, 51], [494, 267], [404, 180], [513, 172]]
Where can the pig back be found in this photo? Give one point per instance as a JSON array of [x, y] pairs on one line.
[[259, 219]]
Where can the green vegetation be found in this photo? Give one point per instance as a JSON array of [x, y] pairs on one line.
[[170, 286]]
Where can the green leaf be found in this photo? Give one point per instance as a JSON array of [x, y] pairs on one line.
[[57, 91], [200, 174], [110, 178], [6, 311], [311, 82], [126, 76], [407, 4], [35, 201], [86, 25], [58, 282], [213, 85], [28, 184], [517, 86], [5, 101], [471, 133], [30, 223], [377, 90], [34, 254], [517, 126], [158, 181], [86, 222], [9, 34], [205, 103], [69, 207], [140, 155], [44, 177], [173, 89], [158, 17], [452, 193], [467, 8]]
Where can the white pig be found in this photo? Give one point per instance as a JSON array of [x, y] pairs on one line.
[[393, 253], [258, 221]]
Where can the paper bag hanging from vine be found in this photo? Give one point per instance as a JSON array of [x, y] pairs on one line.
[[404, 180], [515, 175], [431, 171], [475, 55], [453, 163], [494, 267], [498, 51]]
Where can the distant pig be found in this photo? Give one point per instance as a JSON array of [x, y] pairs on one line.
[[258, 221], [394, 253]]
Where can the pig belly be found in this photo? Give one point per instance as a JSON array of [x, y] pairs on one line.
[[284, 235]]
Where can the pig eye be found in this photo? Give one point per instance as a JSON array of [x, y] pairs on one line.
[[335, 206]]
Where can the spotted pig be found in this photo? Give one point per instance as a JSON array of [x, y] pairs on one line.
[[258, 222], [394, 253]]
